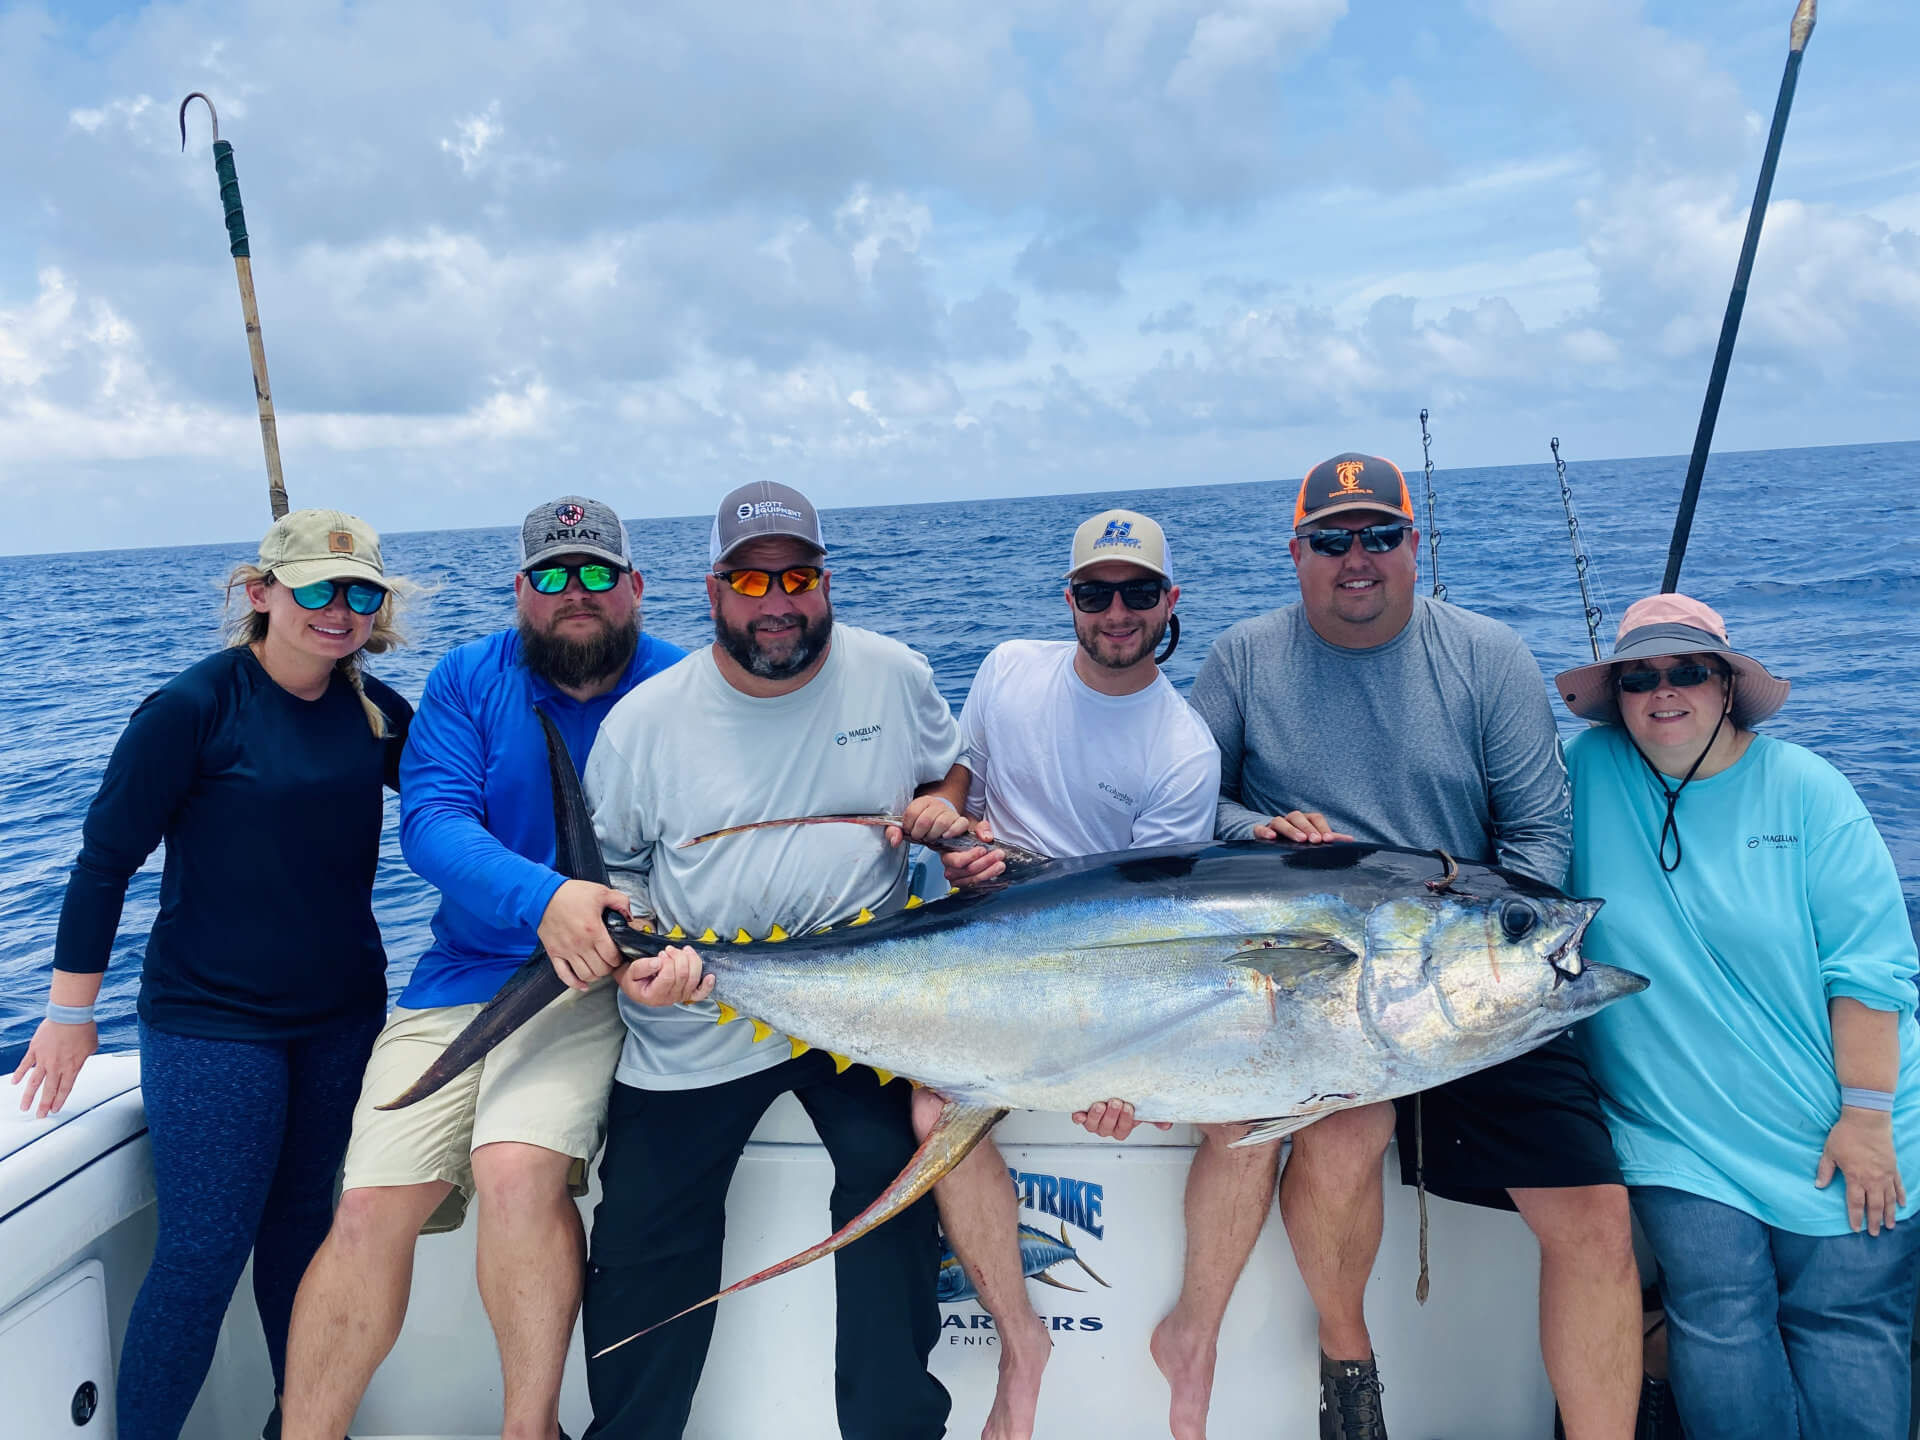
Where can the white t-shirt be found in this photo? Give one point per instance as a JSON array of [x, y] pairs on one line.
[[685, 753], [1064, 770]]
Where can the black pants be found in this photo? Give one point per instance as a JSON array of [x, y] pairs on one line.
[[657, 1234]]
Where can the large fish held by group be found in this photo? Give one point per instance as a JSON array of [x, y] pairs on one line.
[[1215, 982]]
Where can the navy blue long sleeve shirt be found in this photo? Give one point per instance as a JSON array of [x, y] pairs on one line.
[[270, 809]]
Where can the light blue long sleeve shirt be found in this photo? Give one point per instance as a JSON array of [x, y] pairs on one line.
[[1719, 1079], [476, 807]]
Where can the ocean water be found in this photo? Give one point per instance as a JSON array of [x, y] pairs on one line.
[[1823, 589]]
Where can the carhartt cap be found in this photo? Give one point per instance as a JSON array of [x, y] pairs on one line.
[[1352, 482], [306, 546], [1124, 535], [573, 525], [758, 510], [1663, 626]]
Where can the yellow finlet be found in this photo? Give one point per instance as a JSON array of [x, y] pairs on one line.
[[776, 935], [676, 933], [727, 1013], [914, 902], [953, 890], [886, 1076], [646, 927], [862, 918], [840, 1063], [742, 938], [823, 930], [708, 937], [915, 1084], [760, 1030], [798, 1046]]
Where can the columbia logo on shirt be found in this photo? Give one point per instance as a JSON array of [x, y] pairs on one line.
[[1118, 794]]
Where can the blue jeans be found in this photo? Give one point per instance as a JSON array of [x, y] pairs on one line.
[[1773, 1335], [247, 1136]]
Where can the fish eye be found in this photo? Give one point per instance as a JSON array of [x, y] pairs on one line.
[[1517, 918]]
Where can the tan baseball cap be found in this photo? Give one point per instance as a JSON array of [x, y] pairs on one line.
[[1124, 535], [305, 546]]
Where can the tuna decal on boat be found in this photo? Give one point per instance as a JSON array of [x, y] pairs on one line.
[[1039, 1253]]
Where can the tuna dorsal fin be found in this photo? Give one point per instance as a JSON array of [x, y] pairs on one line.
[[576, 849], [953, 1136]]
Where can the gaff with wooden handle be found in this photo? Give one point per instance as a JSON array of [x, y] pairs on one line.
[[249, 311]]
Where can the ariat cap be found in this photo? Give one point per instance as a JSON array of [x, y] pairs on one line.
[[573, 525], [305, 546], [1352, 482]]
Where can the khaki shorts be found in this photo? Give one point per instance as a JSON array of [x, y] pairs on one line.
[[546, 1085]]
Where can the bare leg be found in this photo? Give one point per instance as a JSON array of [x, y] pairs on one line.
[[1229, 1193], [532, 1264], [981, 1219], [1589, 1306], [1333, 1206], [351, 1304]]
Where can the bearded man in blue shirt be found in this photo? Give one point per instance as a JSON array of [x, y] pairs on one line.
[[519, 1128]]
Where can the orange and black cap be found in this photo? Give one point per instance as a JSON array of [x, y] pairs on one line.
[[1352, 482]]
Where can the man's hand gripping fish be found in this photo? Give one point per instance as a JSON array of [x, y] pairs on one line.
[[1205, 983]]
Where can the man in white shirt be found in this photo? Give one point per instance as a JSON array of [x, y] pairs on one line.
[[786, 713], [1082, 747]]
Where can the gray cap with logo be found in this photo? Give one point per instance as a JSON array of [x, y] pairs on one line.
[[760, 509], [573, 525]]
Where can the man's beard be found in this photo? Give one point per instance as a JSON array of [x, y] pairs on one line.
[[808, 644], [576, 664], [1149, 642]]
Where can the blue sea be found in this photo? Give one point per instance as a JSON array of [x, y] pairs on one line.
[[1822, 587]]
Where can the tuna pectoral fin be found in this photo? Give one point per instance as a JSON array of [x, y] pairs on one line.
[[1265, 1132], [954, 1134], [532, 988]]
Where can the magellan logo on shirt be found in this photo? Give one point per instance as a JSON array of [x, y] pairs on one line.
[[857, 737], [1773, 842]]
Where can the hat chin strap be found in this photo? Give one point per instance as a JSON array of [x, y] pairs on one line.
[[1671, 826]]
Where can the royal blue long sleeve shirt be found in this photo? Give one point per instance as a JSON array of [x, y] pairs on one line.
[[476, 808], [270, 809]]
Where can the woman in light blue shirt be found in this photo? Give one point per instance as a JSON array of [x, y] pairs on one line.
[[1775, 1050]]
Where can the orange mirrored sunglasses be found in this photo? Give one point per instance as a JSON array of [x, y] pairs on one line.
[[795, 580]]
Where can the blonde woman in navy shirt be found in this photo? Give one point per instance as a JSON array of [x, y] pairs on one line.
[[264, 980]]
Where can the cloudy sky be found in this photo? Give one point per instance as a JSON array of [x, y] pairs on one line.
[[923, 250]]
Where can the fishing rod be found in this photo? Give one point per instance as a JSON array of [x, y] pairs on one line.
[[1581, 561], [1433, 526], [1802, 31], [249, 311]]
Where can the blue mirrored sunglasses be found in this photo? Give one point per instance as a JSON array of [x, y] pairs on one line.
[[362, 599]]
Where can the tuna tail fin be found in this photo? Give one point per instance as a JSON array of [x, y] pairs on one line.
[[959, 1128], [534, 985]]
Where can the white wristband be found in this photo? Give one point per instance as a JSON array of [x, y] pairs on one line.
[[69, 1014]]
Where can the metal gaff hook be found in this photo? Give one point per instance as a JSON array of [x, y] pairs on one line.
[[215, 114]]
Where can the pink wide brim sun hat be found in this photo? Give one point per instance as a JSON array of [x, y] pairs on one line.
[[1662, 626]]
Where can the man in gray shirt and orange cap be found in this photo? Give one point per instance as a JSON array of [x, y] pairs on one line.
[[1371, 712]]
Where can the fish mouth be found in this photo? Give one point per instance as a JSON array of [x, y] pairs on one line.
[[1565, 958]]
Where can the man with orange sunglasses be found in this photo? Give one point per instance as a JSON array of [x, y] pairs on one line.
[[785, 714]]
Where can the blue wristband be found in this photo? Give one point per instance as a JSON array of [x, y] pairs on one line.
[[1866, 1099], [69, 1014]]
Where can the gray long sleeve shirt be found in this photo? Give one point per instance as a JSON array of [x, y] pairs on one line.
[[1441, 738]]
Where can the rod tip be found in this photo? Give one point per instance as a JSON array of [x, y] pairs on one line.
[[1803, 22]]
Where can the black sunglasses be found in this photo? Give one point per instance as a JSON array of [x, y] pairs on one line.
[[1375, 540], [1646, 679], [595, 578], [362, 599], [1094, 596]]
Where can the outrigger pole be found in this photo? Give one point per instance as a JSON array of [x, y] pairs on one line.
[[1802, 31], [1582, 563], [249, 311], [1433, 526]]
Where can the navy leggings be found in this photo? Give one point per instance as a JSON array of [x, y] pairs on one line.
[[247, 1138]]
